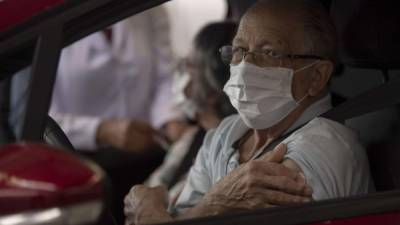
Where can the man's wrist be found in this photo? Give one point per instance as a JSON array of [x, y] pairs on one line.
[[154, 213], [208, 206]]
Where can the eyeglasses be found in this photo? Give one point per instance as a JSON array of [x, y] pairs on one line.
[[234, 55]]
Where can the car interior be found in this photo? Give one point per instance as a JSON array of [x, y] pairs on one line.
[[365, 87]]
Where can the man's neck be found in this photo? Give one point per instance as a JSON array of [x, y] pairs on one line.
[[274, 132]]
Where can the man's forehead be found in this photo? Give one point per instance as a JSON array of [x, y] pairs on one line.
[[266, 26], [255, 28]]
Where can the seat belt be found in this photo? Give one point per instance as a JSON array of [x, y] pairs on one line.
[[276, 142], [378, 98]]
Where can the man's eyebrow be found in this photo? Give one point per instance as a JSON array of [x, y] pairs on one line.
[[265, 44], [238, 41]]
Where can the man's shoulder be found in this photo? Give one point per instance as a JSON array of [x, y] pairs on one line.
[[328, 153], [329, 138], [320, 126]]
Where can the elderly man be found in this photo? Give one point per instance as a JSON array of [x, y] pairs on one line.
[[281, 60]]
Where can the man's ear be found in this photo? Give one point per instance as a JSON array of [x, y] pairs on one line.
[[322, 73]]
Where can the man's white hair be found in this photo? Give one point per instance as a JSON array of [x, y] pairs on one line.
[[319, 30]]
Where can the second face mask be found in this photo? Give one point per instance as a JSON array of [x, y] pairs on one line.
[[186, 105]]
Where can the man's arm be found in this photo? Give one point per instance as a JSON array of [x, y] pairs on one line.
[[334, 164], [89, 132], [261, 183], [129, 135], [257, 184]]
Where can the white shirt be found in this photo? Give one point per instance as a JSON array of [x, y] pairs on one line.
[[128, 78], [330, 155]]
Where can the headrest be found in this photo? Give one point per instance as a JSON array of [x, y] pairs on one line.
[[369, 32]]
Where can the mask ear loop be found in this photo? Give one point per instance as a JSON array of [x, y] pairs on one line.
[[298, 103], [307, 66], [301, 69]]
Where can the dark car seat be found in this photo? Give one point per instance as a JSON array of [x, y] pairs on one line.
[[368, 32], [369, 37], [6, 134]]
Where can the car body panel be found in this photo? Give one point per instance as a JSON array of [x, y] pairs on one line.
[[14, 12], [38, 176], [384, 219]]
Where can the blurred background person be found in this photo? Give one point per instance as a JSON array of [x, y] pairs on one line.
[[198, 85], [113, 86], [112, 97]]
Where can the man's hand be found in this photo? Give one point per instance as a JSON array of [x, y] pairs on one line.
[[260, 183], [144, 205], [134, 136]]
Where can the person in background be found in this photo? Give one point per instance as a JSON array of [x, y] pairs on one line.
[[114, 86], [198, 93], [112, 98]]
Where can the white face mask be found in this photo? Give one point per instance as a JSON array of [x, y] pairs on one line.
[[186, 105], [262, 96]]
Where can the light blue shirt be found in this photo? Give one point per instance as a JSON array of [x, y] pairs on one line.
[[330, 155]]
